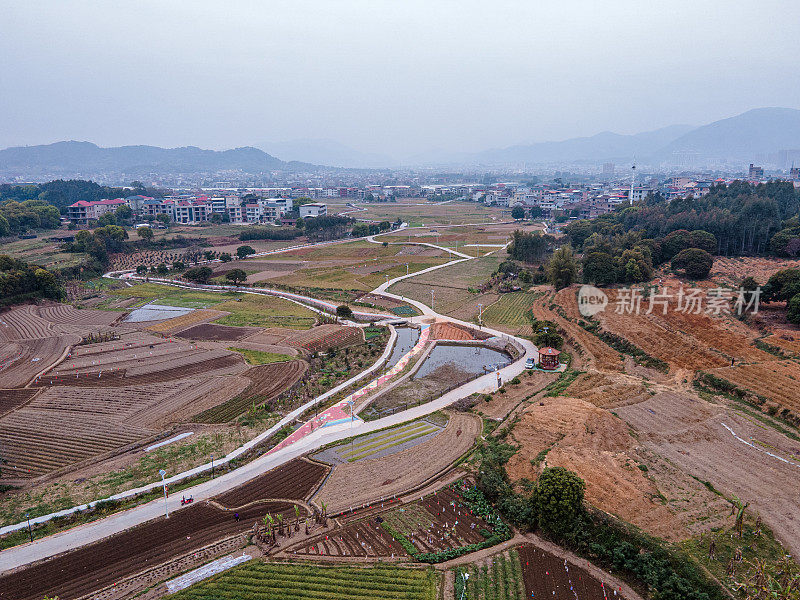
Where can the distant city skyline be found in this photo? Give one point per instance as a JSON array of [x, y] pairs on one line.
[[402, 80]]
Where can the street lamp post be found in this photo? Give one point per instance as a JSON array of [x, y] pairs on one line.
[[30, 531], [480, 315], [162, 472], [406, 268], [431, 299]]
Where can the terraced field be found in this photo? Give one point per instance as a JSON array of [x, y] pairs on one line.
[[98, 565], [511, 312], [778, 380], [268, 381], [37, 441], [497, 577], [278, 581]]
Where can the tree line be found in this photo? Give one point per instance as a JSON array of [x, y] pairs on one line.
[[21, 282]]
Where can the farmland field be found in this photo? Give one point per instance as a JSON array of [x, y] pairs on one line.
[[548, 576], [777, 380], [267, 381], [510, 312], [418, 211], [245, 310], [98, 565], [278, 581], [354, 266], [95, 566], [498, 577], [366, 481], [454, 287]]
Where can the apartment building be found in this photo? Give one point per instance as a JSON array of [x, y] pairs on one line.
[[83, 211], [313, 210]]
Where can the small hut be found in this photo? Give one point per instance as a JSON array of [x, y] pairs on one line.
[[548, 358]]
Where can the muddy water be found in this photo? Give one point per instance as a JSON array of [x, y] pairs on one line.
[[475, 360], [407, 337]]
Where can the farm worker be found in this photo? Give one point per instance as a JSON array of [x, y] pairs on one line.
[[236, 516]]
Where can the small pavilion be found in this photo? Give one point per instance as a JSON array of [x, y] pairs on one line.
[[548, 358]]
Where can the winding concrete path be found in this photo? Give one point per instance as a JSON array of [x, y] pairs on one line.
[[85, 534]]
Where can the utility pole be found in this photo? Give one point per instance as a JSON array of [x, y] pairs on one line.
[[480, 315], [30, 531], [162, 472], [431, 299], [212, 466]]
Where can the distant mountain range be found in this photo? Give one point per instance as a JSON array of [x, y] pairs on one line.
[[736, 141], [741, 138], [72, 158]]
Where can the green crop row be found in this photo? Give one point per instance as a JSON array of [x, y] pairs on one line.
[[503, 581], [358, 448], [402, 440], [256, 580]]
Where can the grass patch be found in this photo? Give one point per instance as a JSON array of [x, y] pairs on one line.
[[560, 385], [257, 357], [391, 444], [725, 565]]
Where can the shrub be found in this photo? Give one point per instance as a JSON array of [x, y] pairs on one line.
[[696, 263]]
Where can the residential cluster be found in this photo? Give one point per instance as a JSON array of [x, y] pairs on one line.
[[192, 209], [581, 199]]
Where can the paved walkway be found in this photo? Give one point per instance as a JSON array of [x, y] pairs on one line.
[[118, 522]]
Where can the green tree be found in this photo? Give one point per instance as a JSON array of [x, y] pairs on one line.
[[141, 270], [237, 276], [243, 251], [178, 265], [696, 263], [163, 218], [199, 274], [793, 315], [599, 268], [562, 268], [124, 213], [145, 233], [558, 499], [225, 257], [344, 311], [549, 338], [162, 269], [749, 284], [778, 286], [385, 225], [108, 218], [215, 218], [518, 213]]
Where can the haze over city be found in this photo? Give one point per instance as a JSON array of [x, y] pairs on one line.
[[410, 81]]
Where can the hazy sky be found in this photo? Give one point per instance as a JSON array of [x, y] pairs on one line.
[[400, 77]]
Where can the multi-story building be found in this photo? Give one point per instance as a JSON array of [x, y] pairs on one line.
[[313, 210], [83, 211], [755, 173], [192, 211]]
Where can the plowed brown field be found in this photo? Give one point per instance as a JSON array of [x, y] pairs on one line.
[[597, 446], [692, 435], [778, 380], [365, 481]]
